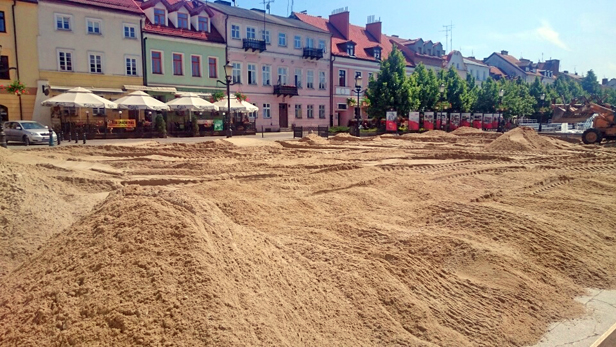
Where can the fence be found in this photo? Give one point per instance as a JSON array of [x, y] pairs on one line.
[[322, 131]]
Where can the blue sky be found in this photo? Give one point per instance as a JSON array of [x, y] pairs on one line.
[[581, 34]]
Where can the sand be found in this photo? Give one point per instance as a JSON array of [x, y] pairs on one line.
[[522, 139], [467, 130], [380, 243]]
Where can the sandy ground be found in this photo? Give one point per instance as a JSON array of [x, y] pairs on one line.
[[465, 239]]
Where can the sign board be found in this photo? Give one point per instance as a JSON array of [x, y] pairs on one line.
[[487, 121], [477, 120], [455, 121], [428, 122], [495, 119], [439, 120], [413, 120], [465, 120], [390, 123], [122, 123], [218, 125]]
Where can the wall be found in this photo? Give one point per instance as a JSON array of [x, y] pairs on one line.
[[341, 94], [26, 18], [170, 45]]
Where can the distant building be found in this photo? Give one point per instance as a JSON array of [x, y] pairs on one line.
[[416, 51], [609, 83], [456, 60], [524, 68], [477, 69]]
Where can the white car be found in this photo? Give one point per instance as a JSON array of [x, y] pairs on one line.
[[28, 132]]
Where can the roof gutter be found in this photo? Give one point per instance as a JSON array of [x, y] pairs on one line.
[[21, 113]]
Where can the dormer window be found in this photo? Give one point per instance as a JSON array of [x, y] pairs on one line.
[[182, 20], [377, 53], [203, 24], [351, 49], [160, 17], [527, 68]]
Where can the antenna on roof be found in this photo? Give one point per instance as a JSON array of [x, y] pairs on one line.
[[448, 36], [370, 19], [266, 6]]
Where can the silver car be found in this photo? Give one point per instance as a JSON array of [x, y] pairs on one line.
[[27, 132]]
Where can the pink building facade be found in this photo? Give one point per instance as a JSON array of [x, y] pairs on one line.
[[281, 64]]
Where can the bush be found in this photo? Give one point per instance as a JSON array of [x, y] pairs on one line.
[[340, 129], [161, 125]]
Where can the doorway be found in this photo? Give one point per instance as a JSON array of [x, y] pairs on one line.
[[283, 112], [4, 113]]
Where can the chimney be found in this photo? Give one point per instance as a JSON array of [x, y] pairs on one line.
[[374, 29], [340, 21], [566, 71], [471, 57], [505, 52], [395, 36], [604, 82]]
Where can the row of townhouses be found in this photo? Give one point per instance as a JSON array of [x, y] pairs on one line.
[[299, 70]]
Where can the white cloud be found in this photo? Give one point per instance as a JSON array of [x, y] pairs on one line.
[[547, 33]]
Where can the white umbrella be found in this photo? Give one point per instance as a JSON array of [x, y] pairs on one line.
[[141, 101], [79, 97], [250, 107], [236, 105], [191, 102]]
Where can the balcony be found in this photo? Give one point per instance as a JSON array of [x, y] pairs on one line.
[[254, 44], [289, 91], [313, 53]]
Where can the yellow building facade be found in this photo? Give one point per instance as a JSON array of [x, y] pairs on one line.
[[18, 38]]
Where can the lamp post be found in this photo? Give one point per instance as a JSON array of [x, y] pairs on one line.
[[501, 93], [228, 83], [441, 90], [358, 80], [542, 97]]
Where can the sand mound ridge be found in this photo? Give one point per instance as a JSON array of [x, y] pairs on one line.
[[437, 133], [314, 139], [467, 130], [522, 139]]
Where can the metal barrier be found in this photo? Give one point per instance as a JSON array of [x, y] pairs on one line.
[[298, 132]]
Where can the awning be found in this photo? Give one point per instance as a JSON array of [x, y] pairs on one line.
[[150, 89], [202, 95], [92, 89]]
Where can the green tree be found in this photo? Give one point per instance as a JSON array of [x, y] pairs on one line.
[[487, 98], [536, 90], [456, 90], [392, 89], [590, 84], [427, 84], [517, 100], [561, 88], [472, 92]]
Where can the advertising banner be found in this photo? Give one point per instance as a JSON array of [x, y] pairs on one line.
[[495, 119], [487, 121], [455, 121], [218, 125], [428, 122], [413, 120], [390, 123], [122, 123], [439, 122], [466, 120], [477, 120]]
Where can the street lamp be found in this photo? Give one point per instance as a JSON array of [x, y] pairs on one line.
[[542, 97], [441, 90], [228, 83], [501, 93], [358, 80]]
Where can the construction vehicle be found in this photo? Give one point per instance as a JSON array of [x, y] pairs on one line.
[[603, 123]]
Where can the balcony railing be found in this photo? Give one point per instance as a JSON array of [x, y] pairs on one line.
[[254, 44], [313, 53], [285, 90]]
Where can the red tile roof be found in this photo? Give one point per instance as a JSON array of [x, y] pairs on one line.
[[121, 5], [213, 36], [496, 71], [363, 40], [513, 60], [414, 58]]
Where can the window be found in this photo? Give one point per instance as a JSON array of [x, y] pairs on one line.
[[310, 111], [267, 111], [310, 79], [322, 45], [213, 68], [65, 61], [235, 32], [130, 31], [94, 26], [160, 17], [203, 24], [96, 63], [322, 83], [342, 78], [4, 71], [131, 66], [195, 62], [370, 76], [2, 22], [177, 64], [298, 78], [63, 22], [282, 75], [282, 39], [251, 33], [252, 73], [377, 53], [309, 42], [183, 20], [237, 73], [351, 49], [157, 63], [297, 42], [266, 75], [298, 111], [266, 36], [321, 111]]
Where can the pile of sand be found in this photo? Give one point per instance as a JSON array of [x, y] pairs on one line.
[[347, 137], [522, 139], [437, 134], [467, 130], [314, 140]]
